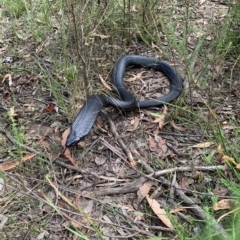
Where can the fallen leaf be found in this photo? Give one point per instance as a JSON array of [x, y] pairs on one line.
[[104, 83], [184, 183], [160, 118], [64, 136], [220, 150], [155, 46], [100, 160], [224, 158], [202, 145], [221, 191], [12, 112], [238, 166], [179, 128], [145, 188], [136, 77], [50, 107], [100, 121], [68, 155], [178, 209], [67, 151], [135, 123], [9, 76], [225, 204], [152, 144], [160, 212], [161, 142], [13, 164]]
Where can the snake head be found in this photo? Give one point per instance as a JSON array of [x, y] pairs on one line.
[[72, 139]]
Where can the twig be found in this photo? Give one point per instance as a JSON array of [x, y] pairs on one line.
[[11, 138], [76, 207], [198, 211], [90, 173], [120, 141], [200, 168], [178, 153], [171, 170], [151, 176], [127, 188], [187, 169]]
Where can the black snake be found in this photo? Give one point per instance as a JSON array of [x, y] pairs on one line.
[[87, 116]]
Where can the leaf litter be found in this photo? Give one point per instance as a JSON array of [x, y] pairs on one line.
[[147, 138]]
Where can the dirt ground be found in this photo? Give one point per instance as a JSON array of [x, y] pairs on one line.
[[131, 166]]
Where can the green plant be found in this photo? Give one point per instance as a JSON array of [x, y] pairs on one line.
[[18, 135], [16, 7]]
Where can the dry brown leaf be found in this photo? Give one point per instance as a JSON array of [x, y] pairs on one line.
[[13, 164], [225, 204], [157, 120], [161, 142], [100, 121], [160, 212], [220, 150], [9, 76], [67, 151], [68, 155], [64, 136], [155, 46], [221, 191], [181, 129], [135, 123], [136, 77], [202, 145], [178, 209], [100, 160], [226, 158], [238, 166], [184, 183], [50, 107], [161, 117], [104, 83], [145, 188], [152, 144]]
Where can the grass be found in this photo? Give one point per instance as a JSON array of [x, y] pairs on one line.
[[77, 40]]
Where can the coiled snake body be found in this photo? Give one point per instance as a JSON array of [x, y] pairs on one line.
[[87, 116]]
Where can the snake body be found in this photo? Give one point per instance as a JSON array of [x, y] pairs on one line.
[[87, 116]]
